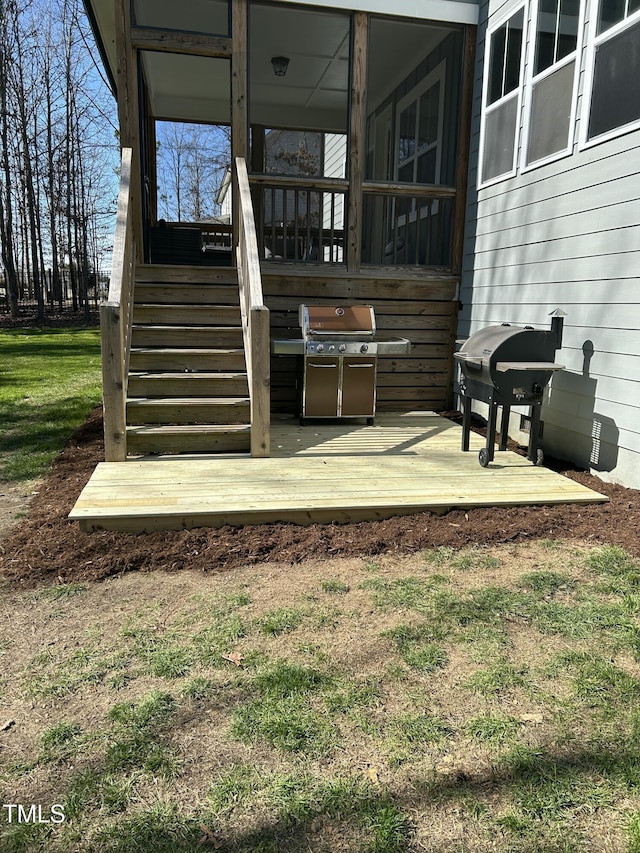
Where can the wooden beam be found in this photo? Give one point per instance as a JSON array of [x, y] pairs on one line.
[[357, 145], [170, 41], [413, 190], [302, 183]]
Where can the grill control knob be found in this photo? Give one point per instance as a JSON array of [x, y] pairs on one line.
[[342, 347], [364, 347], [320, 348], [331, 347]]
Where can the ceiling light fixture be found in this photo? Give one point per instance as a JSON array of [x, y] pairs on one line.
[[280, 65]]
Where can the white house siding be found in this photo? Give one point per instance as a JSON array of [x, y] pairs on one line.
[[567, 235]]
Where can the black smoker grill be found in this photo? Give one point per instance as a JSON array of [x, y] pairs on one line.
[[508, 366], [340, 361]]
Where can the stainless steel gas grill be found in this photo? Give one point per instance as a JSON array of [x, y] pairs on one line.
[[339, 349], [340, 361], [508, 366]]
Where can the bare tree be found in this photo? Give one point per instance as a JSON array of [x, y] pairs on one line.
[[59, 151], [6, 190]]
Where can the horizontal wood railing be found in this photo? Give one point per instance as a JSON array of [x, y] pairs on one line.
[[115, 322], [255, 316], [300, 219], [408, 226]]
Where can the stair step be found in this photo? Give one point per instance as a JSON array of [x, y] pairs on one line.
[[171, 274], [177, 336], [201, 438], [187, 410], [187, 359], [186, 315], [178, 293], [188, 385]]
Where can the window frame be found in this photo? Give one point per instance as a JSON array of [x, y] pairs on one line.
[[593, 40], [517, 93], [532, 79]]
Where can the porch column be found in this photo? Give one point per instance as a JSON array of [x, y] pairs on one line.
[[129, 112], [239, 95], [357, 130], [464, 135]]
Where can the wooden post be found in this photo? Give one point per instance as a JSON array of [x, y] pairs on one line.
[[462, 168], [115, 429], [129, 111], [261, 382], [464, 135], [239, 95], [357, 130]]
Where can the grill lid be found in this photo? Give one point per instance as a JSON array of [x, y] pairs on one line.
[[330, 321]]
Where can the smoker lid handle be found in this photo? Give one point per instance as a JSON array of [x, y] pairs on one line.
[[504, 366], [468, 359]]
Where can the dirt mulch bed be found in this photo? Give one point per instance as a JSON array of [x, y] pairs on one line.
[[46, 548]]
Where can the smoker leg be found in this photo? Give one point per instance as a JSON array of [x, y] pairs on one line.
[[534, 455], [487, 454], [504, 427], [466, 422]]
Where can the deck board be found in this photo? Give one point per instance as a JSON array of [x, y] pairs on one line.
[[320, 473]]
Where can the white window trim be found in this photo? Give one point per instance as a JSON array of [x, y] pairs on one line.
[[516, 93], [437, 75], [531, 80], [592, 43]]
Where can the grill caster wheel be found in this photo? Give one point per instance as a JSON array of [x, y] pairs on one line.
[[483, 457], [539, 457], [371, 421]]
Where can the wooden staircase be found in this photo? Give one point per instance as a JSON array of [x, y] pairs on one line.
[[187, 384]]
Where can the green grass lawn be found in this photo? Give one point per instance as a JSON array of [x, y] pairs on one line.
[[49, 382], [483, 701]]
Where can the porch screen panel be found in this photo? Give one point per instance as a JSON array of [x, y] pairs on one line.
[[407, 231], [551, 113], [207, 17], [499, 140]]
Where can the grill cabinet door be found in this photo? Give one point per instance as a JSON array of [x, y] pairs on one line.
[[321, 380], [358, 387]]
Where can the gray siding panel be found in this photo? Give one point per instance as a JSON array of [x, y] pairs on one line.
[[567, 234]]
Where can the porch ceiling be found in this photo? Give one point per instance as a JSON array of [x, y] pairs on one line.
[[314, 92]]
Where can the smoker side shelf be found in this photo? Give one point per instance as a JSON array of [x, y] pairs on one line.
[[504, 366]]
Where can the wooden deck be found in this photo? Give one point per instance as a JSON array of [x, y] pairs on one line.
[[404, 464]]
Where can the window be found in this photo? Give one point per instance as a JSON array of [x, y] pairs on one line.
[[612, 100], [502, 92], [551, 81]]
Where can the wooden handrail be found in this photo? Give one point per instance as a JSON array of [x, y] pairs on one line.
[[115, 322], [299, 183], [255, 316]]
